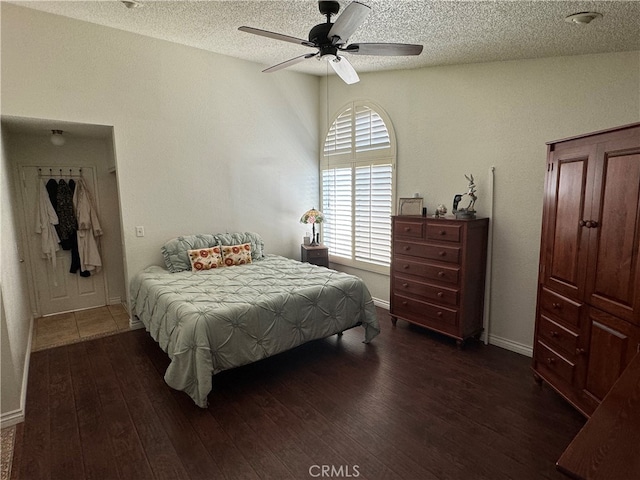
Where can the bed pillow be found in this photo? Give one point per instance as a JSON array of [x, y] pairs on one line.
[[205, 258], [236, 254], [175, 250], [230, 239]]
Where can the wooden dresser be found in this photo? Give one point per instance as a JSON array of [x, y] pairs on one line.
[[438, 273], [588, 311]]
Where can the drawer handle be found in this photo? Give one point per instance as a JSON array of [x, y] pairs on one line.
[[580, 351], [442, 232], [407, 248], [405, 266], [553, 334], [551, 361], [440, 294], [557, 306], [405, 285], [442, 254], [407, 229], [439, 314], [441, 274], [405, 303]]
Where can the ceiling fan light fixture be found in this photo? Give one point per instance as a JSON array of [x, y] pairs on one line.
[[582, 18], [56, 138]]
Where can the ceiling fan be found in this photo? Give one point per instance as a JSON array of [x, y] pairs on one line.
[[331, 40]]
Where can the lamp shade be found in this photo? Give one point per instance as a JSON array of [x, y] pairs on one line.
[[312, 216]]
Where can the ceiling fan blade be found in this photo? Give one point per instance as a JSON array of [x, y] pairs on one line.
[[344, 70], [276, 36], [348, 22], [288, 63], [383, 49]]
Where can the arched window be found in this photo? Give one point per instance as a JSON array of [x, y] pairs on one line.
[[358, 165]]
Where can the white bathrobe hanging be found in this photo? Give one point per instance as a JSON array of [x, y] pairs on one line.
[[46, 218], [88, 228]]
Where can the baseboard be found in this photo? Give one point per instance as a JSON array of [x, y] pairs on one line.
[[115, 301], [381, 303], [10, 419], [135, 323], [507, 344], [14, 417]]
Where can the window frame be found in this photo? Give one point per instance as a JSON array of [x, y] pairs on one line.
[[353, 159]]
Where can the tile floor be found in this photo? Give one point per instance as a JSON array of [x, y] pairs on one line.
[[72, 327]]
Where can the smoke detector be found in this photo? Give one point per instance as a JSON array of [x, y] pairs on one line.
[[582, 18]]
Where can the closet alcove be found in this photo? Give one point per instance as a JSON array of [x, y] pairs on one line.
[[87, 152]]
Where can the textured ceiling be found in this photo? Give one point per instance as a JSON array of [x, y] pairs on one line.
[[452, 32]]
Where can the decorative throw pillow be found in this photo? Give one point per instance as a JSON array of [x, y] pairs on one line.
[[205, 258], [236, 254]]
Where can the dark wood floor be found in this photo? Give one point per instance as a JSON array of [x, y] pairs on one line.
[[408, 406]]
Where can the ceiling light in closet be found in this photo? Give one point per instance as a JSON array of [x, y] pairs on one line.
[[582, 18], [56, 138], [132, 4]]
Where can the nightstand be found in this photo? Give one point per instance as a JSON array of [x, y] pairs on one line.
[[318, 255]]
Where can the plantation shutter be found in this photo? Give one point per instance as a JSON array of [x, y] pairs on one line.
[[357, 187]]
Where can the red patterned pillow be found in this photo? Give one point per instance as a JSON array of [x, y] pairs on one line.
[[236, 254], [205, 258]]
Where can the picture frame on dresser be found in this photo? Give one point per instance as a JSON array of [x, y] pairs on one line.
[[410, 206]]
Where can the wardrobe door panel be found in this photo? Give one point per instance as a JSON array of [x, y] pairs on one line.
[[614, 258], [565, 266]]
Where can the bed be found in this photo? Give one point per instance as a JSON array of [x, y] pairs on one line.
[[213, 320]]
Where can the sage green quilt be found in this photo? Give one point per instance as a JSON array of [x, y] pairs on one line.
[[214, 320]]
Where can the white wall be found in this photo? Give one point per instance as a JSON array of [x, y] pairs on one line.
[[203, 142], [464, 119], [15, 311]]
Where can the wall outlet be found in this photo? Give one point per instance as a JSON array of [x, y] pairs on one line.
[[139, 231]]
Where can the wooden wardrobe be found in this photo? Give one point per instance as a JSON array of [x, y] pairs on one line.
[[588, 311]]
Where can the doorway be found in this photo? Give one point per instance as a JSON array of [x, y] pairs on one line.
[[87, 152]]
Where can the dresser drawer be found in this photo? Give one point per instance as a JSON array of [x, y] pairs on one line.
[[557, 336], [560, 307], [316, 253], [444, 233], [553, 363], [441, 253], [429, 271], [409, 228], [425, 313], [434, 293]]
